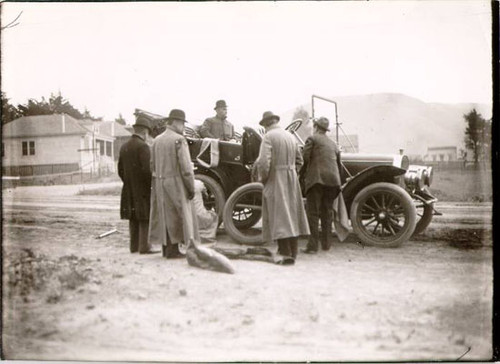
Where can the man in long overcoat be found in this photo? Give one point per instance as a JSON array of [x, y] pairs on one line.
[[134, 171], [283, 214], [321, 174], [174, 178]]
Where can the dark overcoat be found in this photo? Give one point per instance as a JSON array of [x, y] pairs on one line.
[[321, 162], [134, 170]]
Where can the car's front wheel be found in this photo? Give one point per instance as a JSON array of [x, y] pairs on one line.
[[383, 214]]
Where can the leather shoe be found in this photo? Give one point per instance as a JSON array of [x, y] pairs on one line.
[[150, 252], [309, 251], [175, 255]]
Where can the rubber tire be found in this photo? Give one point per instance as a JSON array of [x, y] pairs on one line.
[[425, 220], [218, 192], [406, 203], [229, 226]]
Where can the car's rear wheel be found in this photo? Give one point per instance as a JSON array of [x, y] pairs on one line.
[[383, 214], [246, 198], [214, 199]]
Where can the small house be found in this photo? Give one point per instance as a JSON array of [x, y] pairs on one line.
[[52, 144]]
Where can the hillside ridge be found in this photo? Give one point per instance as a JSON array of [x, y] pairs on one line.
[[387, 122]]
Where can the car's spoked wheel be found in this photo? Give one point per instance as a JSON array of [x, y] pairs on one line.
[[424, 215], [242, 211], [246, 217], [213, 198], [383, 214]]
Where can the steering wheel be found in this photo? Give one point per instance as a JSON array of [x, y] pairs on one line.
[[294, 126]]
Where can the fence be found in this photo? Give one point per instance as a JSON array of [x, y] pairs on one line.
[[454, 165], [51, 174], [40, 169]]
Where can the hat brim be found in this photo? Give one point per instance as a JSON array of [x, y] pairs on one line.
[[144, 126], [172, 119], [321, 127], [269, 118]]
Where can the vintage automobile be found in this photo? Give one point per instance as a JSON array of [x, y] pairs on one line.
[[387, 199]]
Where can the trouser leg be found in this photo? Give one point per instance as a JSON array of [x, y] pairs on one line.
[[170, 250], [313, 197], [294, 245], [329, 194], [284, 247], [134, 235], [144, 245]]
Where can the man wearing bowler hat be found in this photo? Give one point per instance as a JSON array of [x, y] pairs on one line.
[[283, 215], [174, 178], [321, 176], [218, 127], [134, 171]]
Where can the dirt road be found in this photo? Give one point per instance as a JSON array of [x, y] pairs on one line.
[[69, 296]]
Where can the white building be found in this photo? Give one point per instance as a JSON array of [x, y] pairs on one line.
[[441, 154], [58, 143]]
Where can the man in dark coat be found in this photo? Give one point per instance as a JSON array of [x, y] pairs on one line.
[[218, 127], [134, 171], [321, 175]]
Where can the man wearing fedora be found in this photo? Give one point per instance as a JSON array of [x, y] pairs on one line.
[[283, 215], [218, 127], [134, 171], [174, 178], [322, 181]]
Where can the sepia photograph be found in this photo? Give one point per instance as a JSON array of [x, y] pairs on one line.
[[247, 181]]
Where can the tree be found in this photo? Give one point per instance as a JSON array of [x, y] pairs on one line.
[[121, 120], [57, 104], [34, 107], [301, 113], [9, 111], [87, 115], [306, 129], [477, 135]]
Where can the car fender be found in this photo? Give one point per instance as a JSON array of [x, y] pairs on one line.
[[219, 175], [366, 177]]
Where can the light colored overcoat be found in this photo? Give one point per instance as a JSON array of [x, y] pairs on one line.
[[283, 213], [174, 182]]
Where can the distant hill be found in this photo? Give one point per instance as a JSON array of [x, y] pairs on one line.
[[387, 122]]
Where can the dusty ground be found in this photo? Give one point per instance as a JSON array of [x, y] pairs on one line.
[[67, 295]]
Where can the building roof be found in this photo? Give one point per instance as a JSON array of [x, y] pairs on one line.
[[114, 129], [441, 148], [43, 125]]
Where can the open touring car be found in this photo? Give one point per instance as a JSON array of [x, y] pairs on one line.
[[387, 199]]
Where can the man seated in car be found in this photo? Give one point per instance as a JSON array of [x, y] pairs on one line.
[[218, 127]]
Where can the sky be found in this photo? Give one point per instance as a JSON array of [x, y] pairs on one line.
[[114, 57]]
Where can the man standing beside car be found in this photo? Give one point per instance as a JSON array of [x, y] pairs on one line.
[[321, 175], [174, 178], [133, 169], [218, 127], [283, 215]]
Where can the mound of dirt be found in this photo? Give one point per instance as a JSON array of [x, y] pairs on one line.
[[29, 272], [460, 238]]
